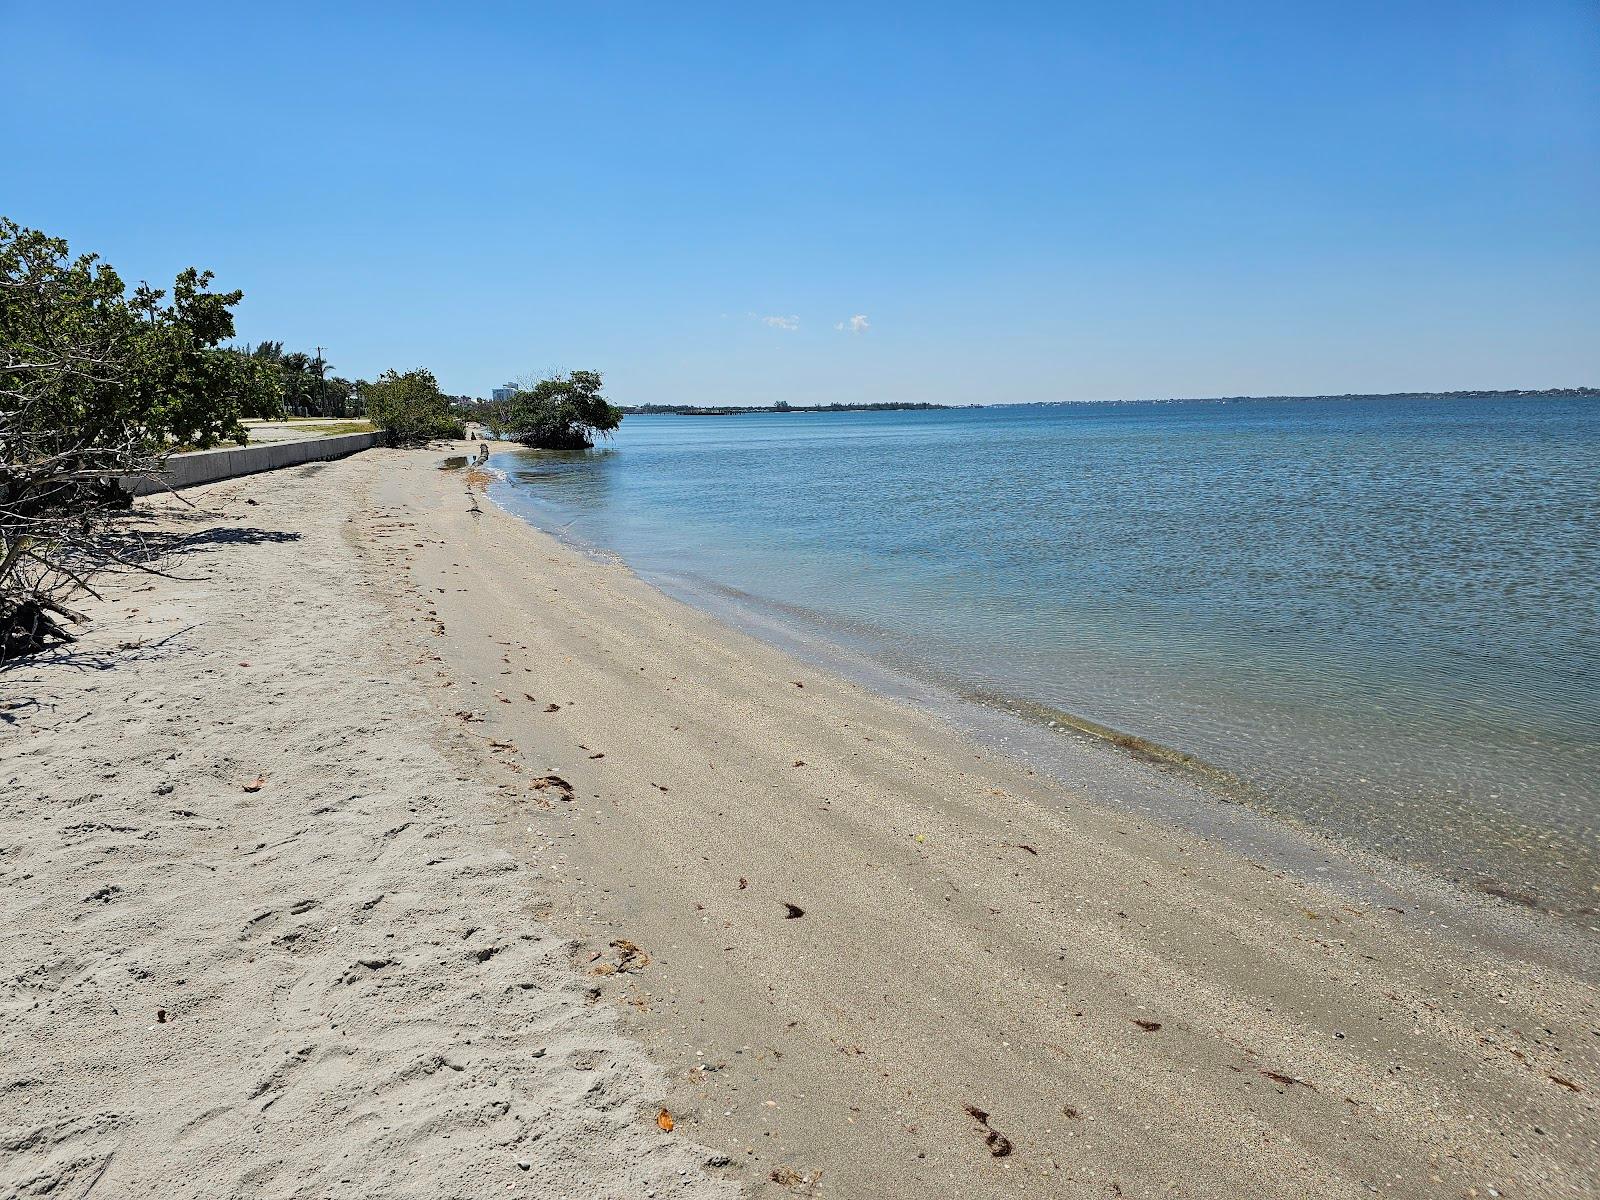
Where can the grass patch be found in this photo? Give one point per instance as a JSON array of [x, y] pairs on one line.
[[333, 428]]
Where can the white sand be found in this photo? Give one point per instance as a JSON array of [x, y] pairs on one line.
[[973, 935], [358, 997]]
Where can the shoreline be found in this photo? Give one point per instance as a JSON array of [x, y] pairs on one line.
[[920, 841], [1335, 656], [1135, 1008], [1149, 777]]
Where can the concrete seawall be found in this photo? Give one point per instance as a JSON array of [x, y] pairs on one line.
[[208, 466]]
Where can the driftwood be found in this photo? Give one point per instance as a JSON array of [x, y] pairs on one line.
[[27, 629]]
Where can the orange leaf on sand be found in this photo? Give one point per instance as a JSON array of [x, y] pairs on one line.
[[256, 784], [664, 1119]]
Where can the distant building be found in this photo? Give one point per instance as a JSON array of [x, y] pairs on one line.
[[505, 393]]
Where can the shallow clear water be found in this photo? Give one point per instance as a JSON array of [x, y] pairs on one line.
[[1381, 615]]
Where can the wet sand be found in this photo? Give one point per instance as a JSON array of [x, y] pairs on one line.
[[973, 936], [866, 956]]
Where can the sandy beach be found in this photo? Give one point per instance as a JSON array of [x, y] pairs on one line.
[[393, 848]]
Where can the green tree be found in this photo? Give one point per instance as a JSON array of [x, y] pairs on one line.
[[96, 383], [562, 413], [299, 384], [495, 415], [410, 406], [307, 390], [342, 397], [266, 401]]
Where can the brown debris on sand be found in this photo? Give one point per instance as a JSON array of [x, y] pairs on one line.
[[1285, 1080], [999, 1144], [553, 783], [628, 958]]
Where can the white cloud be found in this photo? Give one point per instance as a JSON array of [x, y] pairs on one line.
[[787, 323], [856, 324]]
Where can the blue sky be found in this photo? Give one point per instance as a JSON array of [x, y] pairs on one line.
[[1023, 201]]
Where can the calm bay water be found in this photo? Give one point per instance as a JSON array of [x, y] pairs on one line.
[[1381, 615]]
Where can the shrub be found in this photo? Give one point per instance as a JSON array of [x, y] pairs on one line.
[[96, 384], [562, 413], [410, 406]]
